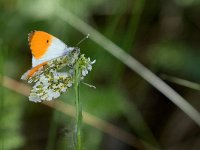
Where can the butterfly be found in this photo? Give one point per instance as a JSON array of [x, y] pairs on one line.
[[45, 48], [49, 55]]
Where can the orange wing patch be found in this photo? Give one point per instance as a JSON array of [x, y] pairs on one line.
[[35, 69], [39, 42]]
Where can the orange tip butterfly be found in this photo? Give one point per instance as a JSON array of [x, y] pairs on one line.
[[44, 47]]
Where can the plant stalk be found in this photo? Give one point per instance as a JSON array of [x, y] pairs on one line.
[[78, 107]]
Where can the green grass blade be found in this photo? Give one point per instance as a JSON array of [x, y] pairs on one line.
[[130, 35], [182, 82], [2, 127]]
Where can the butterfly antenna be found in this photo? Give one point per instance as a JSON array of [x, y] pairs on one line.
[[89, 85], [86, 37]]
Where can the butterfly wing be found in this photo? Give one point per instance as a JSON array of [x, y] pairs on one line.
[[45, 47], [50, 85], [55, 64]]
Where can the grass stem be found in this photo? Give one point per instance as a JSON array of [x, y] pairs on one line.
[[78, 107], [2, 96]]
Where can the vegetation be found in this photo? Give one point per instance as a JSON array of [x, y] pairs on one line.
[[136, 43]]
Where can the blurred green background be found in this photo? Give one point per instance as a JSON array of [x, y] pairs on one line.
[[162, 35]]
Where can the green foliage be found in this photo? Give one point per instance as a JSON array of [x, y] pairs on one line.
[[95, 100], [163, 35], [10, 121], [175, 57]]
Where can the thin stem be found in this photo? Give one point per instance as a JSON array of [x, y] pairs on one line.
[[182, 82], [78, 107], [2, 125], [2, 95]]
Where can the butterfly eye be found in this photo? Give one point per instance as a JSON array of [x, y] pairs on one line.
[[47, 41]]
